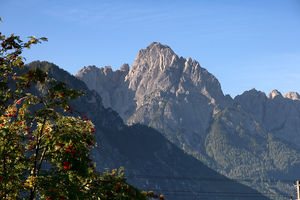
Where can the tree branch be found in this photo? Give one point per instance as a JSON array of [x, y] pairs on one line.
[[37, 149]]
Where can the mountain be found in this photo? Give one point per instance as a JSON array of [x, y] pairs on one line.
[[183, 101], [154, 89], [151, 162]]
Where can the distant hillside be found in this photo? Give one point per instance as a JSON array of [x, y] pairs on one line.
[[250, 137]]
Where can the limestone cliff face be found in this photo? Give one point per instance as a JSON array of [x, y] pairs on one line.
[[278, 113], [111, 87]]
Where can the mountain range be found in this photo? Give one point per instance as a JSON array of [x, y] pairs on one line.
[[151, 162], [252, 139]]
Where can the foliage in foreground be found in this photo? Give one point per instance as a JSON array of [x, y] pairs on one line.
[[44, 149]]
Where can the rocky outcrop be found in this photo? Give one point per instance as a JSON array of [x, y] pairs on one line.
[[111, 87], [292, 95], [275, 94]]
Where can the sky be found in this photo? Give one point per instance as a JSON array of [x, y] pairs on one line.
[[244, 43]]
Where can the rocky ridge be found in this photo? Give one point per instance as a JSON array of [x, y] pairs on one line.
[[280, 114]]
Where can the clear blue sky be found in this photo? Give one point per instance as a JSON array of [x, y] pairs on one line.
[[244, 43]]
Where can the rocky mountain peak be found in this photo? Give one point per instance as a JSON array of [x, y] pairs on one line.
[[157, 46], [155, 56], [87, 68], [253, 93], [274, 94], [292, 95], [107, 70], [157, 49], [125, 68]]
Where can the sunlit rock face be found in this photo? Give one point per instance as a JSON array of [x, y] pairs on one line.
[[292, 95], [111, 87]]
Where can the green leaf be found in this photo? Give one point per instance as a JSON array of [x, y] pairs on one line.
[[44, 39]]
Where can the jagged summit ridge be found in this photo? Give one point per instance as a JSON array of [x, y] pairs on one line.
[[158, 45], [292, 95], [125, 67], [106, 82], [106, 69], [274, 93], [155, 54]]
